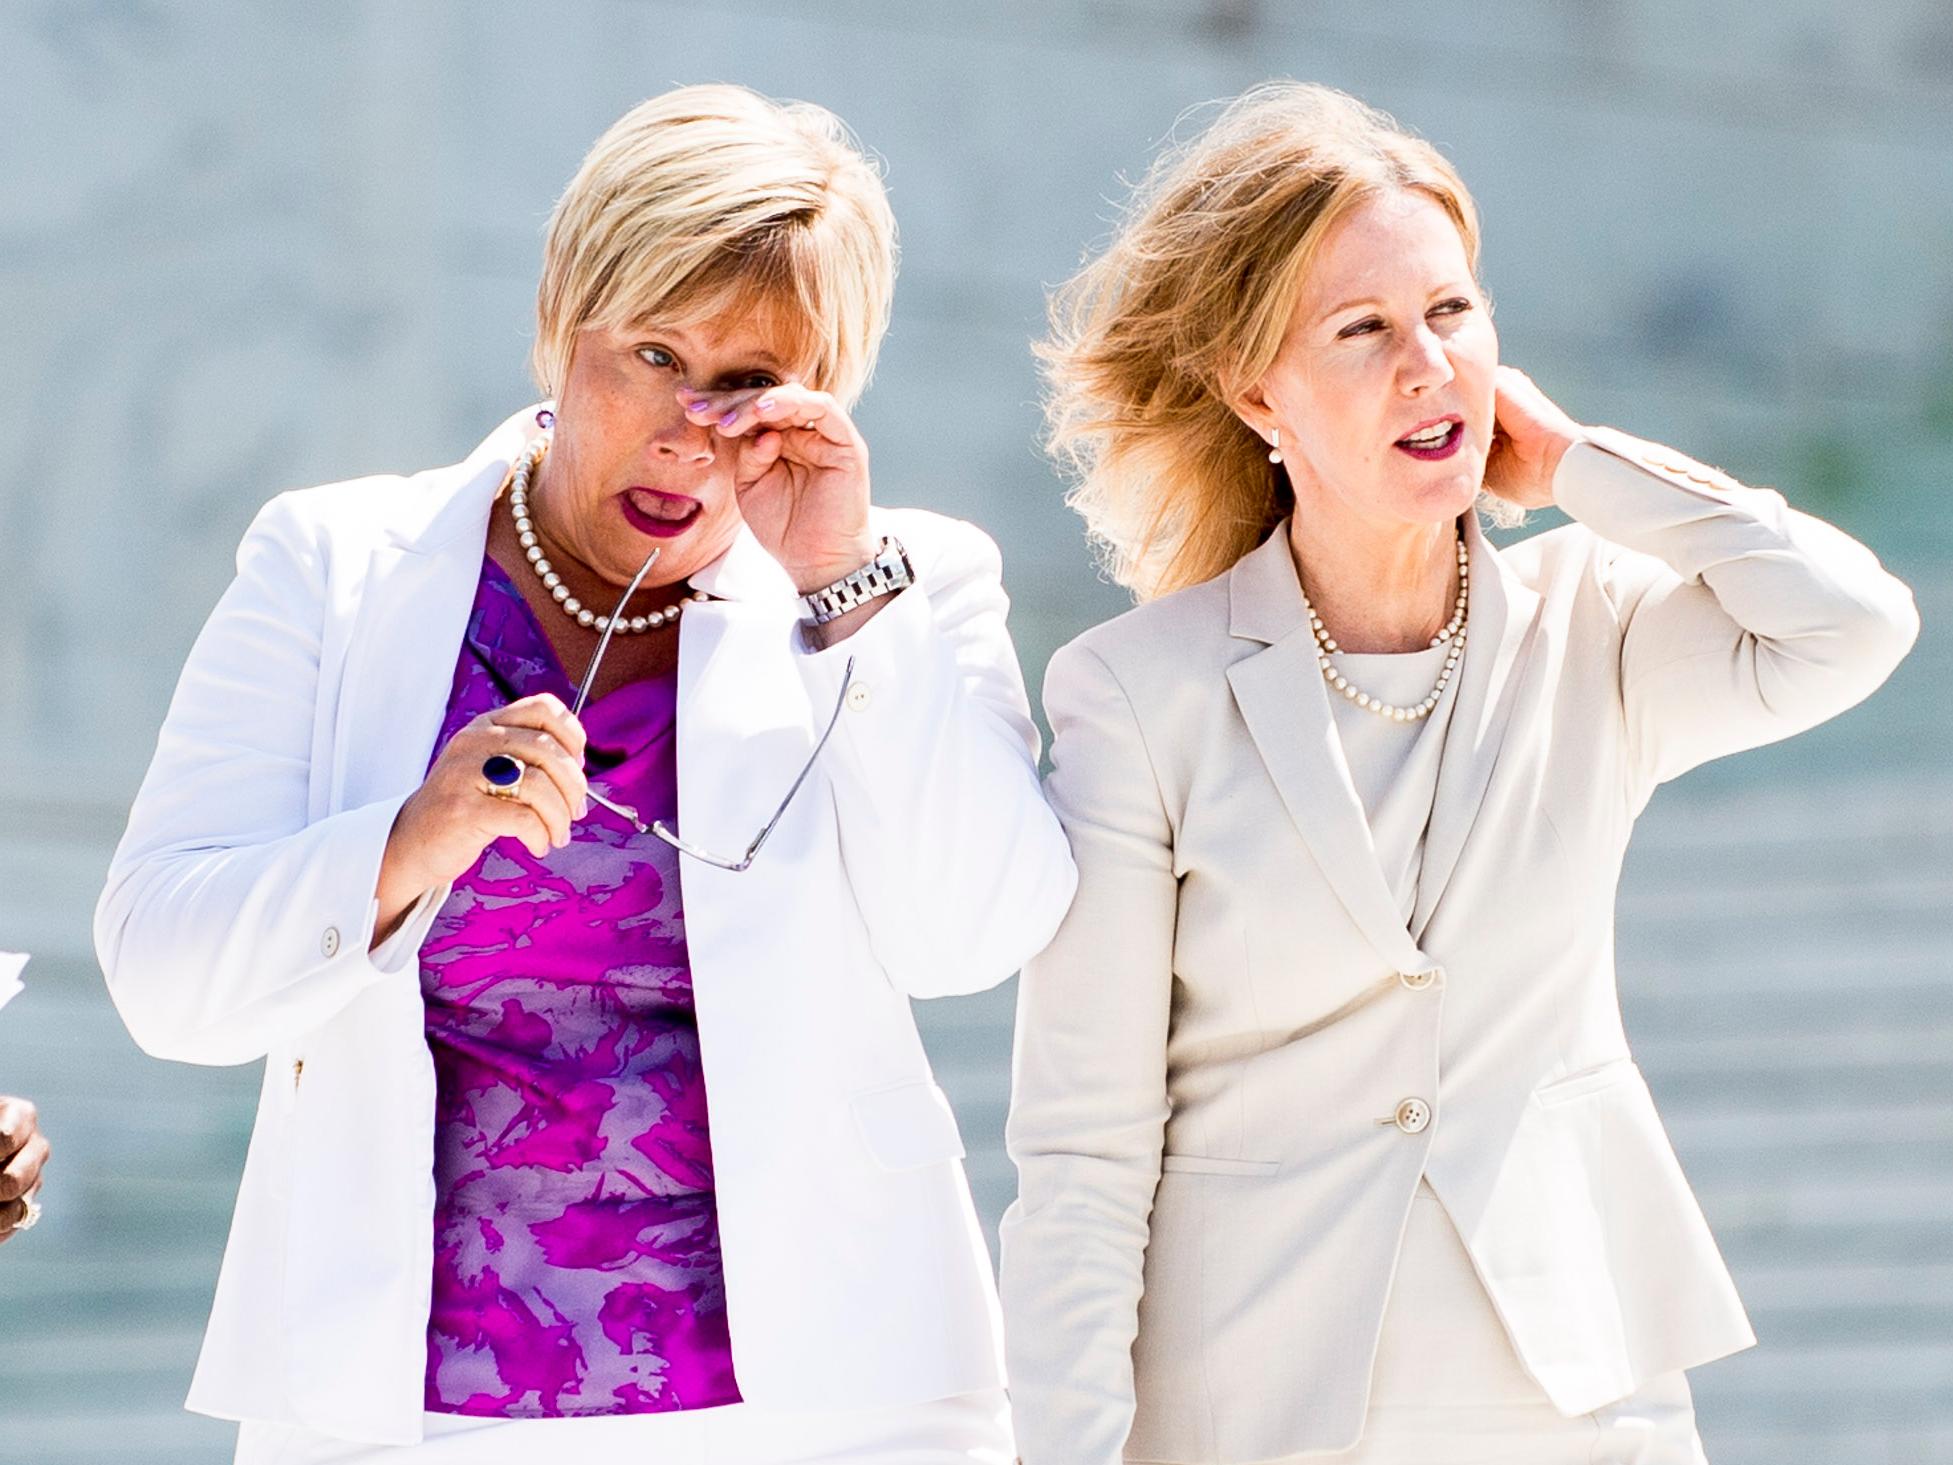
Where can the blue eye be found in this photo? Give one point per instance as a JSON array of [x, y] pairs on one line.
[[657, 356]]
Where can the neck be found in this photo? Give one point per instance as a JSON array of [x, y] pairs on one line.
[[1377, 587], [586, 584]]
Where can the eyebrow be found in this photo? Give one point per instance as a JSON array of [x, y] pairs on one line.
[[1350, 305], [1373, 300]]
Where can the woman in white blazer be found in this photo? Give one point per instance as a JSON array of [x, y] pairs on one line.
[[1329, 1141], [491, 949]]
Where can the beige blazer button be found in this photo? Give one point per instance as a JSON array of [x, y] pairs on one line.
[[329, 942], [1417, 981], [859, 696], [1413, 1116]]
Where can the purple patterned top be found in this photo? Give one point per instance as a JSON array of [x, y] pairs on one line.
[[576, 1235]]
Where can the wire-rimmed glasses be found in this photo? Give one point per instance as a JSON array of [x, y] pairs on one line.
[[657, 827]]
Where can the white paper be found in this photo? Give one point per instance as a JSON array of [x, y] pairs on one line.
[[11, 965]]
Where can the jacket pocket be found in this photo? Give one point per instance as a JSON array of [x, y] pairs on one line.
[[1216, 1165], [907, 1125], [1586, 1081]]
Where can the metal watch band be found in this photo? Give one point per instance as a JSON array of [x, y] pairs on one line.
[[888, 572]]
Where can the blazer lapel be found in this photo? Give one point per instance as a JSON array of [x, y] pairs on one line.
[[1282, 700], [1504, 612], [412, 612], [744, 725], [745, 730]]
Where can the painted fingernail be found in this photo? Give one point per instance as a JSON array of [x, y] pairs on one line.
[[766, 404], [728, 419]]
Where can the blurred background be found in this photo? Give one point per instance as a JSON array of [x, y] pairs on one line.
[[245, 247]]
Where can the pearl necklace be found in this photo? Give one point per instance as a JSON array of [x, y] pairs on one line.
[[1453, 633], [576, 610]]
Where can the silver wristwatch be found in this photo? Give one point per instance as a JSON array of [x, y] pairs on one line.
[[888, 572]]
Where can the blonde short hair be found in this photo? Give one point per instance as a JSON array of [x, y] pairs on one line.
[[1154, 341], [711, 198]]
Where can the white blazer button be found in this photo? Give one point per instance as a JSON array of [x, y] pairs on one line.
[[1417, 981], [859, 696], [329, 942], [1413, 1116]]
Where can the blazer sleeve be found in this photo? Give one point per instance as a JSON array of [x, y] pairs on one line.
[[1089, 1085], [958, 865], [229, 924], [1742, 620]]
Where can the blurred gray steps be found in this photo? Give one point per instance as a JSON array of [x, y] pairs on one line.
[[139, 1432]]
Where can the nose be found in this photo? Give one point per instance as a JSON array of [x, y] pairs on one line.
[[1426, 363], [680, 440]]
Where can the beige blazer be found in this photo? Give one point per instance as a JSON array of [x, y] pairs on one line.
[[1236, 1060]]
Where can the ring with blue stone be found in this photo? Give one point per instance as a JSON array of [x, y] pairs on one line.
[[503, 774]]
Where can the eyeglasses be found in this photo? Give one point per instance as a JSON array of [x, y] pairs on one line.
[[658, 827]]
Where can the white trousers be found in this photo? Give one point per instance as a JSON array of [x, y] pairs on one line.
[[1448, 1388], [970, 1429]]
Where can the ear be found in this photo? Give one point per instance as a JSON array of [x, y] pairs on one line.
[[1253, 408]]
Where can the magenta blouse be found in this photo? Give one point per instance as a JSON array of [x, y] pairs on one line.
[[576, 1236]]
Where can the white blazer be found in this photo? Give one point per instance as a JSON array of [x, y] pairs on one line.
[[1215, 1156], [920, 859]]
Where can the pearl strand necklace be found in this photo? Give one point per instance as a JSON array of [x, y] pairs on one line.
[[1453, 633], [576, 610]]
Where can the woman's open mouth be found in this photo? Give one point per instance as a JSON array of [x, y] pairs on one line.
[[1434, 440], [661, 515]]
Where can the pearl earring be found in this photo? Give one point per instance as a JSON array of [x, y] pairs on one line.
[[1275, 446]]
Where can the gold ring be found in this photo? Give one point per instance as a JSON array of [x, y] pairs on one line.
[[502, 776]]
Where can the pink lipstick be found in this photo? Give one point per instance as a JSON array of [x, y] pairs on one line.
[[1433, 440], [658, 514]]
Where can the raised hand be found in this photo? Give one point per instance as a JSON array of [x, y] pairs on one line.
[[1530, 436], [801, 476]]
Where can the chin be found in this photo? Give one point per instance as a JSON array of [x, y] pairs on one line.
[[1438, 503]]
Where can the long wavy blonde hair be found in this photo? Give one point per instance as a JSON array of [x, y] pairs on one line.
[[1153, 341]]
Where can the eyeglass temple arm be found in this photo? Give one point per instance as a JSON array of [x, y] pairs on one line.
[[610, 629], [670, 836], [833, 721]]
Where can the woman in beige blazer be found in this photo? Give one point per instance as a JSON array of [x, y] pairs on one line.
[[1328, 1137]]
